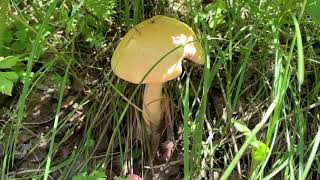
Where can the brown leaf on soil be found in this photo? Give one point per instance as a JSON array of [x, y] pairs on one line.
[[21, 150], [154, 144], [76, 117], [172, 171], [64, 152], [70, 100], [37, 155], [77, 85], [40, 109], [27, 165], [218, 102], [166, 150], [25, 135]]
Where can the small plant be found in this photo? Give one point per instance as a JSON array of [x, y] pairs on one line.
[[312, 9], [10, 72], [102, 9], [95, 175], [259, 149]]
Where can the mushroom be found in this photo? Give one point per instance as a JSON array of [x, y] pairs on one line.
[[151, 53]]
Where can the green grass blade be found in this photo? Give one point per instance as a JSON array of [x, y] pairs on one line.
[[300, 72], [33, 55], [301, 127], [186, 132], [312, 154], [56, 121], [241, 151], [3, 20], [277, 170]]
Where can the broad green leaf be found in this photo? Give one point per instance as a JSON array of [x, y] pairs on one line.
[[8, 62], [12, 76], [23, 39], [313, 9], [5, 86], [261, 152], [241, 127]]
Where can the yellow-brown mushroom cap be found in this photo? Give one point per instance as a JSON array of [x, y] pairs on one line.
[[150, 41]]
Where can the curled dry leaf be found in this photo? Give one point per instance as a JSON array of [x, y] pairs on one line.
[[68, 102], [167, 149]]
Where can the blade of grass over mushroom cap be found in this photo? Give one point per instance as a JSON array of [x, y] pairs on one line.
[[125, 109], [139, 49], [129, 102], [148, 41]]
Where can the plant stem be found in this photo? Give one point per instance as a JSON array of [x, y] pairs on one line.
[[152, 106]]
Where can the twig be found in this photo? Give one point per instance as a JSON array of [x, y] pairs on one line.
[[166, 165]]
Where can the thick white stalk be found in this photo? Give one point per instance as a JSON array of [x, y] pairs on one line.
[[152, 106]]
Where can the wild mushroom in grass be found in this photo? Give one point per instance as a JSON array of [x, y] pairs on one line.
[[158, 44]]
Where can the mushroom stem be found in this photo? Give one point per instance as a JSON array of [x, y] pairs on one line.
[[152, 106]]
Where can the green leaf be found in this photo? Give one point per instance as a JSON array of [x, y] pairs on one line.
[[136, 154], [3, 20], [241, 127], [12, 76], [215, 13], [313, 9], [56, 79], [23, 76], [98, 175], [8, 62], [5, 86], [261, 152], [7, 36], [120, 87], [102, 8], [23, 38], [22, 34], [254, 143], [96, 40]]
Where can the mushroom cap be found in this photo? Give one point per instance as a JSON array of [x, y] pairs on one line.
[[160, 39]]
